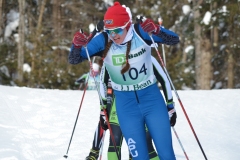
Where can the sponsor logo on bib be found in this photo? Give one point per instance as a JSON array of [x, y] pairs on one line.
[[120, 59], [143, 50]]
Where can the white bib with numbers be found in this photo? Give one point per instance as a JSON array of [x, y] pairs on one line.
[[140, 74]]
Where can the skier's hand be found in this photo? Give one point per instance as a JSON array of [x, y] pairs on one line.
[[172, 114], [80, 39], [99, 26], [103, 121], [148, 25]]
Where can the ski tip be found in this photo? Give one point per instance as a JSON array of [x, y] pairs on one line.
[[65, 156]]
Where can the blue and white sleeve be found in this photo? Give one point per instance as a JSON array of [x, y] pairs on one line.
[[162, 78], [164, 36]]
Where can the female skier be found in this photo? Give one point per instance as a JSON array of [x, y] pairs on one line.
[[113, 119], [126, 53]]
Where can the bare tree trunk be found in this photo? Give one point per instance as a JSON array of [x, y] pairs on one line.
[[197, 41], [30, 17], [56, 18], [206, 67], [202, 52], [231, 64], [215, 30], [215, 36], [36, 43], [184, 57], [230, 70], [21, 39], [1, 17], [38, 32]]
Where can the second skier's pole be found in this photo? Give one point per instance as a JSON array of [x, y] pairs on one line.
[[104, 109], [66, 155], [101, 150]]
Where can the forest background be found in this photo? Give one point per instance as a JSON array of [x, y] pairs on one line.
[[36, 35]]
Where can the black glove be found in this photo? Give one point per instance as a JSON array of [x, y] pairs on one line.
[[99, 26], [103, 121], [172, 114]]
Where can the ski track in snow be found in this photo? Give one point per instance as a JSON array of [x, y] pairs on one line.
[[36, 124]]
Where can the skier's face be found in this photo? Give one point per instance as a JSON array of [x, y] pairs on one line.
[[117, 34], [118, 37]]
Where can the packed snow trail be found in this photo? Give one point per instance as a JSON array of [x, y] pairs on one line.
[[36, 124]]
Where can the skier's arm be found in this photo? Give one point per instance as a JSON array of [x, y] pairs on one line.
[[162, 78], [95, 48], [78, 52]]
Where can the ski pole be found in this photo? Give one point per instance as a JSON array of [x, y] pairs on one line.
[[104, 109], [66, 155], [179, 100], [101, 150], [164, 59], [85, 88], [180, 143], [160, 20]]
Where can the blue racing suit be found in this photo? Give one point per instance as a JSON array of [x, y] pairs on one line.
[[138, 99]]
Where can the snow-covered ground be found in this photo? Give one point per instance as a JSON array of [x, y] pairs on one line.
[[36, 124]]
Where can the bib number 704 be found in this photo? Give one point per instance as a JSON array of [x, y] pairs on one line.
[[133, 72]]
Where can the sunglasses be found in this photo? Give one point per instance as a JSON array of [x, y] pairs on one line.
[[114, 31]]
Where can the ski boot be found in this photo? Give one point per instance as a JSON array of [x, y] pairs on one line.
[[93, 155]]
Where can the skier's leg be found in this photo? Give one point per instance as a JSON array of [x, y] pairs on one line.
[[97, 143], [151, 151], [117, 133], [132, 123], [118, 139], [157, 122]]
